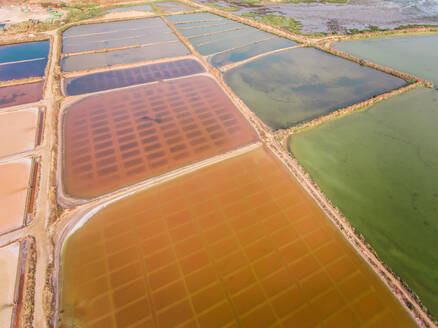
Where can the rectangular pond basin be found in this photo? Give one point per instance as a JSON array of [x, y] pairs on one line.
[[18, 131], [221, 36], [111, 27], [151, 30], [24, 51], [379, 167], [23, 70], [21, 94], [215, 28], [414, 54], [235, 244], [21, 61], [298, 85], [123, 56], [189, 18], [248, 51], [130, 76], [131, 8], [170, 6], [122, 137], [13, 193], [199, 24], [9, 263]]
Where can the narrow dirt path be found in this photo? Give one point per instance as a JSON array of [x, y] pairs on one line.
[[45, 202]]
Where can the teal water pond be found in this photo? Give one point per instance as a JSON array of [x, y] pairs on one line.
[[298, 85], [414, 54]]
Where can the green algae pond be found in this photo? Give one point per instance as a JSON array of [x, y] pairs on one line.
[[380, 168], [298, 85], [413, 54]]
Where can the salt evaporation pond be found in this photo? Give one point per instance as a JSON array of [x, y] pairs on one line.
[[123, 56], [122, 137], [208, 34], [130, 76], [298, 85], [25, 60], [13, 193], [9, 263], [380, 168], [24, 51], [248, 51], [170, 6], [111, 35], [136, 8], [18, 131], [21, 94], [248, 249], [413, 54], [149, 39]]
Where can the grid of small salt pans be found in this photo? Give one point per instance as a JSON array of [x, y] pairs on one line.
[[237, 244], [122, 137]]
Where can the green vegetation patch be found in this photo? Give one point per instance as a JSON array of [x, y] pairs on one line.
[[380, 168], [285, 22], [224, 8]]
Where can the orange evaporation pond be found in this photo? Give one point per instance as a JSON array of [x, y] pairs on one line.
[[118, 138], [9, 256], [14, 177], [17, 131], [21, 94], [236, 244]]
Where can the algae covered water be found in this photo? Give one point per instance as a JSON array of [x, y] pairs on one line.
[[298, 85], [380, 168], [414, 54]]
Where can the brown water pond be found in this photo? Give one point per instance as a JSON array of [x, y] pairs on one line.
[[21, 94], [119, 138], [236, 244]]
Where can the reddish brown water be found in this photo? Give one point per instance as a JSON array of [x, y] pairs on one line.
[[122, 137], [21, 94], [236, 244]]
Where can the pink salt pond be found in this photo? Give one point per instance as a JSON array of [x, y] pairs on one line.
[[13, 193]]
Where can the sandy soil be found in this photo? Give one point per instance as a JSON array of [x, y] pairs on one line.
[[13, 193], [14, 14], [19, 129], [8, 275]]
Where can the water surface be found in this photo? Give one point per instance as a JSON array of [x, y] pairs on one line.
[[131, 76], [117, 35], [24, 70], [108, 28], [123, 56], [143, 7], [248, 51], [186, 18], [21, 94], [415, 54], [247, 249], [24, 51], [380, 168], [122, 137], [298, 85]]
